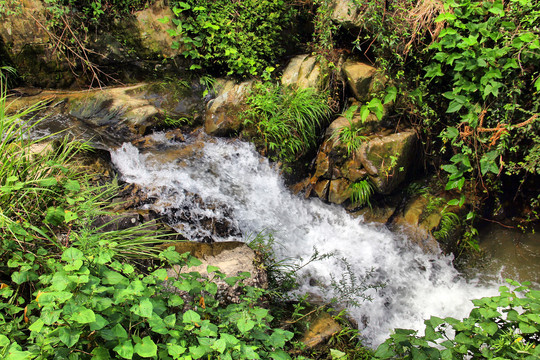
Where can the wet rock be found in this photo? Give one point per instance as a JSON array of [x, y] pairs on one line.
[[321, 189], [232, 257], [339, 191], [387, 159], [322, 166], [419, 224], [320, 330], [210, 220], [363, 79], [303, 71], [222, 114]]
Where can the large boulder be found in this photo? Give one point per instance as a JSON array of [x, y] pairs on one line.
[[387, 159], [384, 159], [303, 71], [363, 79], [223, 112], [112, 115]]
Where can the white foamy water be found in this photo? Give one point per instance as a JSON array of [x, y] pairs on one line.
[[417, 285]]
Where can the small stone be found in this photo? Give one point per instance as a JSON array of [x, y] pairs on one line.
[[320, 330]]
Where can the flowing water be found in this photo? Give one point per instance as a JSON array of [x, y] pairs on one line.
[[250, 197]]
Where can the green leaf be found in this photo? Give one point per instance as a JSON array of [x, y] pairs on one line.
[[71, 254], [54, 216], [68, 336], [191, 316], [164, 20], [384, 351], [70, 216], [175, 350], [336, 354], [452, 132], [112, 277], [244, 324], [48, 182], [219, 345], [147, 348], [84, 316], [99, 324], [527, 328], [230, 339], [72, 185], [447, 16], [36, 326], [433, 70], [454, 106], [144, 308], [280, 355], [455, 184], [391, 94], [198, 351], [490, 327], [364, 113], [488, 163], [125, 349]]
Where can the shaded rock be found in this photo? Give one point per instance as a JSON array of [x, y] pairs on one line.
[[334, 128], [222, 114], [387, 159], [232, 257], [303, 71], [363, 79], [346, 13], [339, 191], [321, 329]]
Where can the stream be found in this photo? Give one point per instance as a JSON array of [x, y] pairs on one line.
[[251, 197]]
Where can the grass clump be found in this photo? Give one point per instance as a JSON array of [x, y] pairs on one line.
[[284, 120]]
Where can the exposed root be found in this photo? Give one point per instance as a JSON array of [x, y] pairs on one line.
[[422, 19]]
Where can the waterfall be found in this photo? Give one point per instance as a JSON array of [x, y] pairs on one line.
[[250, 196]]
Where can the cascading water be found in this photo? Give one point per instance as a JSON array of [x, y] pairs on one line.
[[417, 285]]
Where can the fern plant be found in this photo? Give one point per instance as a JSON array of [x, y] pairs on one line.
[[449, 221], [361, 192]]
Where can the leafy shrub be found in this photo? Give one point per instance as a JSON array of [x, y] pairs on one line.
[[499, 327], [284, 119], [488, 55], [240, 37]]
